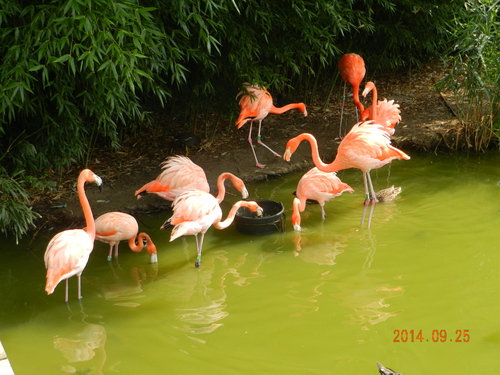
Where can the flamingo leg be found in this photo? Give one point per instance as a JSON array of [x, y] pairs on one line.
[[116, 249], [79, 286], [251, 146], [110, 253], [323, 213], [342, 103], [367, 190], [199, 245], [370, 198], [373, 196], [262, 143], [66, 300]]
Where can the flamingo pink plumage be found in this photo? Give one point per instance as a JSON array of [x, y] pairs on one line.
[[255, 104], [352, 70], [367, 146], [181, 174], [195, 211], [318, 186], [68, 252], [385, 113], [113, 227]]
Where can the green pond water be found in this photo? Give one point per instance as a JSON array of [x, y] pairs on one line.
[[417, 292]]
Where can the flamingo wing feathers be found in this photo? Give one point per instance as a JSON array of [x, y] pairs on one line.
[[254, 105], [179, 174], [67, 255], [113, 227], [367, 146]]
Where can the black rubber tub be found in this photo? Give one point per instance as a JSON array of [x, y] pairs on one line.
[[272, 219]]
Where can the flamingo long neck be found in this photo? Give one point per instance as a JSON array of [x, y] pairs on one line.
[[315, 153], [87, 211], [221, 188], [280, 110], [355, 98], [230, 216], [374, 103], [133, 246]]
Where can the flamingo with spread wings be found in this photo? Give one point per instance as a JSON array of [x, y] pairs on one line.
[[195, 211], [255, 104], [113, 227], [180, 174], [68, 252]]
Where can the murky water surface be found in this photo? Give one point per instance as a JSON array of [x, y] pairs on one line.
[[418, 292]]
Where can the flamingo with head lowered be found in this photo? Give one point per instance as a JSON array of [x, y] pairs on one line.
[[181, 174], [318, 186], [352, 70], [68, 252], [195, 211], [113, 227], [255, 104], [367, 146]]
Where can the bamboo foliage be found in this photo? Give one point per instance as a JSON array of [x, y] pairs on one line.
[[474, 77], [76, 74]]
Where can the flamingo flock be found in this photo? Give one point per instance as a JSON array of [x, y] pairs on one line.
[[366, 146]]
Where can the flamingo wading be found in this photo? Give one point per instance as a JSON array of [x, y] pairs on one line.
[[113, 227], [68, 252], [195, 211], [319, 186], [367, 146]]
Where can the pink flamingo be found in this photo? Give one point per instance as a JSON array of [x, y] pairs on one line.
[[319, 186], [68, 252], [255, 104], [113, 227], [181, 174], [383, 112], [352, 70], [367, 146], [194, 211]]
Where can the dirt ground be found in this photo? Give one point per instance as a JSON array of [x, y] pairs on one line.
[[427, 124]]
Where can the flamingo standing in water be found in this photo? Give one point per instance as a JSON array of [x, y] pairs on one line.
[[367, 146], [352, 70], [385, 113], [68, 252], [194, 211], [255, 104], [113, 227], [319, 186], [181, 174]]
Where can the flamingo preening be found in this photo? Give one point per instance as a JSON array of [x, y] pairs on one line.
[[385, 113]]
